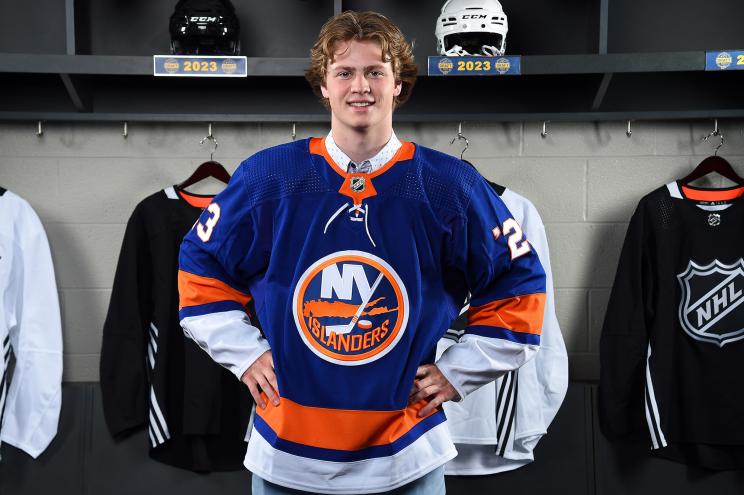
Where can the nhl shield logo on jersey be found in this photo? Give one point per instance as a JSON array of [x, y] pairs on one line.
[[358, 184], [711, 306], [350, 308]]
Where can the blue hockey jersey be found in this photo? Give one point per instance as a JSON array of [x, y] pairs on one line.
[[355, 277]]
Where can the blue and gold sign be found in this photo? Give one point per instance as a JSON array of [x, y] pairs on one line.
[[729, 60], [199, 66], [475, 66]]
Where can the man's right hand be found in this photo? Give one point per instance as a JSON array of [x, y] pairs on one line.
[[261, 374]]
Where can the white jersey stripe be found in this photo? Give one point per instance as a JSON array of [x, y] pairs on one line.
[[152, 436], [155, 407], [653, 414], [151, 355], [156, 429]]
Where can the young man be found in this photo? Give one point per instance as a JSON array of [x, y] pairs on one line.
[[358, 250]]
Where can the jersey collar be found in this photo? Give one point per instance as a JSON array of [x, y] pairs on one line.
[[341, 160], [200, 201], [349, 184]]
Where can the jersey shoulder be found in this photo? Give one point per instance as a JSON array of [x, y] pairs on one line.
[[523, 209], [280, 171], [14, 207], [446, 182]]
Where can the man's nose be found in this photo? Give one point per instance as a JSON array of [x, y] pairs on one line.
[[360, 83]]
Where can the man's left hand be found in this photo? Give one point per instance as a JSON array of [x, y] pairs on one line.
[[431, 384]]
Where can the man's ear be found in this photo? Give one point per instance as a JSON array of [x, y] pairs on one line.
[[324, 91], [398, 88]]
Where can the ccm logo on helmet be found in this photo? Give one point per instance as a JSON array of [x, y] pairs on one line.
[[350, 308], [474, 16], [203, 19]]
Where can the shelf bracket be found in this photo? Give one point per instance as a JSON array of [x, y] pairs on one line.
[[601, 91], [78, 97]]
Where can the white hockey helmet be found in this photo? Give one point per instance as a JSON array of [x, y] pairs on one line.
[[471, 27]]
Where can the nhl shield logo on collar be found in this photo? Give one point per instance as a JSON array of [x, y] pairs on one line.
[[358, 184], [711, 306]]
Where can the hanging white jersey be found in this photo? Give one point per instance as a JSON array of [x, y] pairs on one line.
[[30, 327], [496, 428]]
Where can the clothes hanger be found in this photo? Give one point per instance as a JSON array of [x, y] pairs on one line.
[[210, 168], [714, 163]]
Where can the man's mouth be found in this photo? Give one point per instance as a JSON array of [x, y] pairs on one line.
[[361, 104]]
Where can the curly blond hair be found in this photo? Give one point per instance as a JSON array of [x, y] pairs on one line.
[[368, 25]]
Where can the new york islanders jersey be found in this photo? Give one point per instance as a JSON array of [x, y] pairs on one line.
[[195, 413], [355, 278], [497, 427], [30, 326], [672, 344]]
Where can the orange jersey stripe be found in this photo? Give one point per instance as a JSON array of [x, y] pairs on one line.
[[338, 429], [194, 290], [712, 194], [518, 314]]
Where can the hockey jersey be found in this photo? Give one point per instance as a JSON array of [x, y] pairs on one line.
[[355, 278], [195, 412], [30, 326], [497, 427], [672, 345]]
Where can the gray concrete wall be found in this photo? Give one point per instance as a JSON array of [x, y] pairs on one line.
[[585, 179]]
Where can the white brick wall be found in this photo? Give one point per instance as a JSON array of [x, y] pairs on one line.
[[585, 178]]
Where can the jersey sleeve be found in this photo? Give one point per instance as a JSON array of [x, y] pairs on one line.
[[219, 255], [624, 340], [551, 363], [123, 367], [34, 397], [507, 287]]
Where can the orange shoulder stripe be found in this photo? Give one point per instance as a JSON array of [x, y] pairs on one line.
[[194, 290], [338, 429], [518, 314]]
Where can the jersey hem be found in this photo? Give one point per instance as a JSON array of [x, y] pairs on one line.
[[442, 460], [494, 440]]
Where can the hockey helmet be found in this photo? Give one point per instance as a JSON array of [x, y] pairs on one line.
[[471, 27], [208, 27]]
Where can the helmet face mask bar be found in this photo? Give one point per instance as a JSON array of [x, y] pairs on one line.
[[487, 44], [472, 27]]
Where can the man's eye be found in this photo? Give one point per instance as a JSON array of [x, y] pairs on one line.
[[343, 74], [377, 73]]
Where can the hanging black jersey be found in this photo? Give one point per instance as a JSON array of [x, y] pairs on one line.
[[672, 345], [195, 411]]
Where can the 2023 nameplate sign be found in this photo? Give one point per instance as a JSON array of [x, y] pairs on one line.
[[199, 66], [475, 66], [728, 60]]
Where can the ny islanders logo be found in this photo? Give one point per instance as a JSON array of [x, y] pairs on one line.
[[711, 306], [350, 308]]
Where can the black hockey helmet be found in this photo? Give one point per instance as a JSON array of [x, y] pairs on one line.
[[204, 27]]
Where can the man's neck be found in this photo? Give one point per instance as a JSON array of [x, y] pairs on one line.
[[360, 146]]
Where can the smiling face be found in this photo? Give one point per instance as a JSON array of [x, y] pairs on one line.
[[360, 88]]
